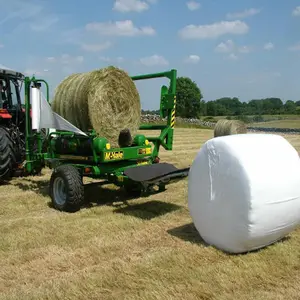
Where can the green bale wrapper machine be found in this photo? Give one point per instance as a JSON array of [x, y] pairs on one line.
[[26, 151]]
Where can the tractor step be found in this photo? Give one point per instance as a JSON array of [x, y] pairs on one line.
[[155, 172]]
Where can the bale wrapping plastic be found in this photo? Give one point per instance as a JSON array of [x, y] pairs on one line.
[[105, 100], [229, 127], [244, 191]]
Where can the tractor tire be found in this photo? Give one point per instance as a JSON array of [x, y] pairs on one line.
[[7, 155], [66, 189]]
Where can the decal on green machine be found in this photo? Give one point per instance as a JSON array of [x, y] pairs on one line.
[[113, 155], [145, 162], [144, 151]]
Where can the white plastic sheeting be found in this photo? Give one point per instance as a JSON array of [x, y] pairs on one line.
[[35, 108], [244, 191], [44, 117]]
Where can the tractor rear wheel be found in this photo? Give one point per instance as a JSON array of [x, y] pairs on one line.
[[66, 188], [7, 155]]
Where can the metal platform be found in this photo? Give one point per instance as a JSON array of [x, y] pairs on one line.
[[151, 174]]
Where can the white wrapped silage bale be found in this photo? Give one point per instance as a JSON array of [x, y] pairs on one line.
[[244, 191]]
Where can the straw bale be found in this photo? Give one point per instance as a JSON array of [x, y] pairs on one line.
[[105, 100], [229, 127]]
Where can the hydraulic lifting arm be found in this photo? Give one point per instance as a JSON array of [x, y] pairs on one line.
[[167, 110]]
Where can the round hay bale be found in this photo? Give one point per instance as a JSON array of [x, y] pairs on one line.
[[105, 100], [229, 127]]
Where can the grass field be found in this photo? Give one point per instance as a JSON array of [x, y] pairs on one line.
[[286, 121], [278, 124], [270, 117], [135, 249]]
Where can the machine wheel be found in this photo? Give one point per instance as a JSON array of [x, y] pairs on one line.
[[66, 188], [7, 155]]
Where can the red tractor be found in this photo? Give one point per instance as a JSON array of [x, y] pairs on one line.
[[12, 123]]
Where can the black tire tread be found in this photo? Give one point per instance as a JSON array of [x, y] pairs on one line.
[[74, 184], [7, 154]]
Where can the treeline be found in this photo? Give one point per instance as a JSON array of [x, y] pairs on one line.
[[234, 107], [190, 104]]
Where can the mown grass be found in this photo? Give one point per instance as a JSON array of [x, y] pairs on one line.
[[273, 121], [269, 117], [288, 123], [119, 248]]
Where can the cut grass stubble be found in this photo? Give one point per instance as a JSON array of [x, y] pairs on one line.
[[145, 248]]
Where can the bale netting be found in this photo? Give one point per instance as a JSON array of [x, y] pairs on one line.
[[105, 100], [229, 127]]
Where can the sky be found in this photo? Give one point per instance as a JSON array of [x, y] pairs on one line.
[[245, 49]]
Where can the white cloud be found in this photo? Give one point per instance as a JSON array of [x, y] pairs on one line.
[[244, 49], [54, 68], [104, 58], [4, 67], [42, 24], [130, 5], [119, 28], [108, 59], [214, 30], [31, 72], [225, 47], [1, 46], [193, 5], [29, 14], [18, 9], [154, 60], [230, 47], [233, 56], [51, 59], [296, 11], [193, 59], [268, 46], [67, 59], [96, 47], [295, 47], [244, 14]]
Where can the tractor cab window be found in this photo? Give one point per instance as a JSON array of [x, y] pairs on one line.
[[14, 95], [3, 94]]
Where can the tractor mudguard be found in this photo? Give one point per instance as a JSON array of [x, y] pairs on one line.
[[155, 172]]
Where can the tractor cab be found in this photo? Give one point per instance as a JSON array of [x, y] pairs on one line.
[[10, 98], [12, 121]]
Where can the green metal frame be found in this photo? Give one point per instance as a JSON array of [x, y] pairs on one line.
[[97, 164], [34, 159], [167, 110]]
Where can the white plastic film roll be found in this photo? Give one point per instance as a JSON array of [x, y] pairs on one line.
[[36, 108]]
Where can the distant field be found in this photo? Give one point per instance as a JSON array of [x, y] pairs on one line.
[[143, 249], [284, 117], [278, 124], [286, 121], [270, 117]]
